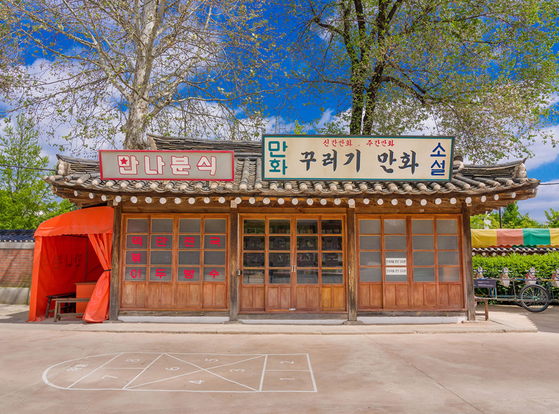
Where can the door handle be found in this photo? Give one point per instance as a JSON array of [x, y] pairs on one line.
[[292, 268]]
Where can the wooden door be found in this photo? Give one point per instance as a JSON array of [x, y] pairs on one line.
[[293, 263]]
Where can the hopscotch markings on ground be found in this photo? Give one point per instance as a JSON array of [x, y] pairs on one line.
[[185, 372]]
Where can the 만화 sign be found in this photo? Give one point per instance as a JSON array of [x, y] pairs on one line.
[[314, 157], [167, 165]]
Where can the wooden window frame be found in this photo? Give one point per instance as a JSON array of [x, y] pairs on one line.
[[367, 288], [145, 305]]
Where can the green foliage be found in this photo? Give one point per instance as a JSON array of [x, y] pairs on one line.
[[25, 199], [299, 129], [482, 71], [552, 218], [511, 218], [478, 222], [518, 265]]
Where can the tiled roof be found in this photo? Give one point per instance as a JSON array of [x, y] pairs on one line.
[[503, 251], [81, 175], [17, 235]]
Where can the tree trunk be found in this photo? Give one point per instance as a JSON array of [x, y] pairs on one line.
[[136, 125]]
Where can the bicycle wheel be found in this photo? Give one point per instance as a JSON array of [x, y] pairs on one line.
[[534, 298]]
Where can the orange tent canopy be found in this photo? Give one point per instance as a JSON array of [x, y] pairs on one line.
[[94, 220], [60, 259]]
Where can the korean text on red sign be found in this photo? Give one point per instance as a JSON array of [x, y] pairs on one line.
[[167, 165]]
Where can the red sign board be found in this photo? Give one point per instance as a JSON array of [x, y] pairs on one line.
[[167, 165]]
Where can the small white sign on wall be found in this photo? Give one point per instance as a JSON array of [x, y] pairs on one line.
[[396, 271], [395, 261]]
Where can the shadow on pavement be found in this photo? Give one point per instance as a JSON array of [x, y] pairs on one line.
[[18, 314], [546, 321]]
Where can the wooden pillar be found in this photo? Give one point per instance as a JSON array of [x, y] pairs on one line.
[[233, 264], [468, 266], [115, 271], [352, 267]]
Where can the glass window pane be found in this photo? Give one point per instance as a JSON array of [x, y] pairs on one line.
[[137, 274], [307, 277], [307, 243], [369, 242], [449, 274], [214, 242], [448, 258], [307, 226], [215, 226], [189, 225], [161, 257], [331, 227], [189, 241], [136, 242], [280, 259], [136, 258], [424, 258], [332, 276], [396, 255], [214, 274], [370, 274], [332, 259], [370, 258], [189, 257], [188, 274], [401, 276], [423, 242], [307, 259], [254, 259], [332, 243], [369, 226], [422, 226], [253, 276], [161, 241], [280, 226], [280, 276], [279, 243], [395, 242], [162, 225], [254, 243], [160, 274], [394, 226], [214, 258], [423, 274], [446, 226], [447, 242], [137, 226], [254, 226]]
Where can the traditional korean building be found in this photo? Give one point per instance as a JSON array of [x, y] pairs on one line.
[[256, 248]]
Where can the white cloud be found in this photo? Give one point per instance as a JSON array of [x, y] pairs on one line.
[[544, 153], [547, 197]]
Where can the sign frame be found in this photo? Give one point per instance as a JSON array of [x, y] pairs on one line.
[[165, 178], [350, 137]]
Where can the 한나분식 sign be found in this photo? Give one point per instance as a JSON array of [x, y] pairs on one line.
[[312, 157], [167, 165]]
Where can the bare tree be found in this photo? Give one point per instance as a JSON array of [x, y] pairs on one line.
[[129, 66]]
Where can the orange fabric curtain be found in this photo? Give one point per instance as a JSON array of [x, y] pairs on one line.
[[60, 262], [98, 307]]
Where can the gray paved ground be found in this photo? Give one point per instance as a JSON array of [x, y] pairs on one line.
[[460, 372]]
